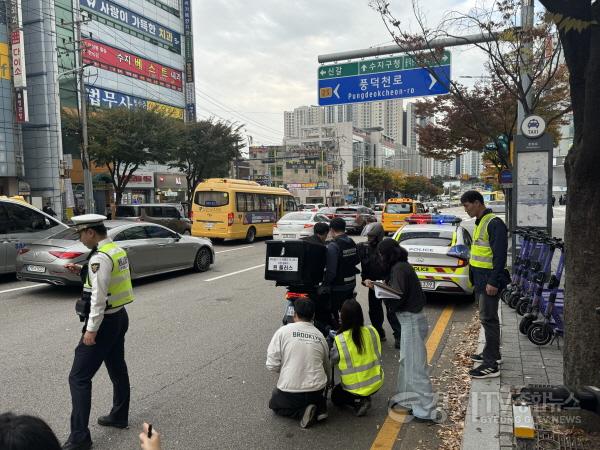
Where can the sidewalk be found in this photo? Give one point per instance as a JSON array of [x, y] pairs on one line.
[[489, 421]]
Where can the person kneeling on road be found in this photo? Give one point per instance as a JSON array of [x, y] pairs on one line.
[[299, 353], [357, 354]]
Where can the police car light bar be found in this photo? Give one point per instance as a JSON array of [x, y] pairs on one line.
[[433, 219]]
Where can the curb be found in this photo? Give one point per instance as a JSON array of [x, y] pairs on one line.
[[488, 421]]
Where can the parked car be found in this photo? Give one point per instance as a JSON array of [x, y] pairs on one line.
[[296, 225], [378, 209], [171, 215], [151, 248], [21, 224], [438, 249], [312, 207], [356, 217]]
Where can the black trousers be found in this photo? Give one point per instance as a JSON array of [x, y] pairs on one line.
[[110, 349], [337, 300], [293, 404], [488, 316], [376, 316], [340, 397]]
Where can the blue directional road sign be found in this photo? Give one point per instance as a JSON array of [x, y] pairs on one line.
[[362, 82]]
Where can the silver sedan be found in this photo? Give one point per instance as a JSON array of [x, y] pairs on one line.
[[152, 249]]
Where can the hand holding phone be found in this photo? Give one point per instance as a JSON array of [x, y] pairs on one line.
[[149, 438]]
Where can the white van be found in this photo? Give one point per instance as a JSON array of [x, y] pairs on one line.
[[21, 224]]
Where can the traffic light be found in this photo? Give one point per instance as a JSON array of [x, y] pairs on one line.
[[501, 145]]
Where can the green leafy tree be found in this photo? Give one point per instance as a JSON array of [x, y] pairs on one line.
[[205, 149], [124, 139], [418, 185], [377, 180]]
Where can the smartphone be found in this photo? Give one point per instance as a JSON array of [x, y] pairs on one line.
[[149, 431]]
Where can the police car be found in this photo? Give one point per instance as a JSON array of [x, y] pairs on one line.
[[438, 248]]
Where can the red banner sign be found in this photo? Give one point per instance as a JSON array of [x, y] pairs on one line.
[[110, 58]]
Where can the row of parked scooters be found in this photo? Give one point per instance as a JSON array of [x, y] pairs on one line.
[[535, 291]]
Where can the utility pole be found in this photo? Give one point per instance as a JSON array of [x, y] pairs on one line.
[[88, 187]]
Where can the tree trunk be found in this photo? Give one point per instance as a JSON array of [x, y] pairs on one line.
[[118, 196], [582, 231]]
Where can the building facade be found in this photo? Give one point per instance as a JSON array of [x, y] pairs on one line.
[[136, 54]]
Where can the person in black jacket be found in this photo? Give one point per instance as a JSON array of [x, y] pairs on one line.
[[489, 276], [372, 269], [323, 316], [340, 271], [414, 390]]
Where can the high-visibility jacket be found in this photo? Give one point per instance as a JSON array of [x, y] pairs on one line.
[[481, 250], [361, 373], [120, 291]]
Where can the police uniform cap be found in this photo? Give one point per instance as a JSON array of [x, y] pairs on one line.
[[87, 220]]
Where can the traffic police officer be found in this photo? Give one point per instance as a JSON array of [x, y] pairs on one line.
[[106, 289], [340, 271]]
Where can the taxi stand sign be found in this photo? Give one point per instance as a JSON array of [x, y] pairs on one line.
[[381, 79]]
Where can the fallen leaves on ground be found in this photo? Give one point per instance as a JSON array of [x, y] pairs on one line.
[[458, 384]]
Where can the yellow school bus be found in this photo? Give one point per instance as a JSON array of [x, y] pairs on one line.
[[225, 208], [398, 209]]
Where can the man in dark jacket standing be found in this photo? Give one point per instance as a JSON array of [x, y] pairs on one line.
[[372, 269], [489, 276], [316, 260], [340, 271]]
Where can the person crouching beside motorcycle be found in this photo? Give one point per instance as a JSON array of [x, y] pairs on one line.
[[357, 354], [299, 353]]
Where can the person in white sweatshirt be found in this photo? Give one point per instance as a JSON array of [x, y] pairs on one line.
[[300, 354]]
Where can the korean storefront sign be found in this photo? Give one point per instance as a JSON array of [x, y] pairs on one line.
[[119, 61], [104, 98], [124, 16]]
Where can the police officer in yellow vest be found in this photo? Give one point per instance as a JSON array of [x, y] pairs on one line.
[[106, 289], [489, 276], [357, 355]]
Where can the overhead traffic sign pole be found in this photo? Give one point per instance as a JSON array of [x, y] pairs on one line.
[[391, 49]]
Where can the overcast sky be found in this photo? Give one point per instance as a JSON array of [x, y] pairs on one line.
[[255, 59]]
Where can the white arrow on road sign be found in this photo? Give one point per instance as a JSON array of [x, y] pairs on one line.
[[323, 73], [364, 68], [433, 81], [335, 91]]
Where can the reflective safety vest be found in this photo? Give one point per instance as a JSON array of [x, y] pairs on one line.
[[361, 373], [481, 251], [120, 291]]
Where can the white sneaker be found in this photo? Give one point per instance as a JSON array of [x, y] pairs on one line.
[[309, 416]]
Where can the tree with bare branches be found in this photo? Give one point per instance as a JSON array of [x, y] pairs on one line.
[[574, 25], [505, 66]]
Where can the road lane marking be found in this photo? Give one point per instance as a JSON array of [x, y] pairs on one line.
[[22, 288], [388, 433], [234, 249], [235, 273]]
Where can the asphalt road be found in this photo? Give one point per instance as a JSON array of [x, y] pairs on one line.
[[196, 350]]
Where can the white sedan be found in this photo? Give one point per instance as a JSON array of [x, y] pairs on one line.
[[296, 225]]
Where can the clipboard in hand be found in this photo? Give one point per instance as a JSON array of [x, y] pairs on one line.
[[382, 290]]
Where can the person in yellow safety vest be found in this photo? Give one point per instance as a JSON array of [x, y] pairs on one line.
[[106, 290], [357, 354], [489, 276]]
